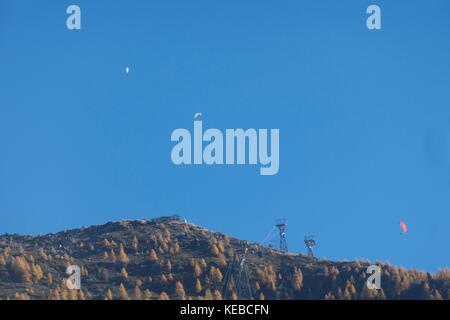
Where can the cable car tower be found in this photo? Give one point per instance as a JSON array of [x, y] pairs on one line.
[[237, 276], [310, 244], [281, 225]]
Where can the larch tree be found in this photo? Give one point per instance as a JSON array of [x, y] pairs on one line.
[[198, 286], [153, 256], [20, 268], [163, 296], [222, 260], [112, 256], [179, 289], [147, 294], [137, 293], [163, 278], [124, 273], [106, 243], [216, 274], [217, 295], [298, 279], [49, 279], [123, 292], [123, 258], [109, 295], [197, 269], [42, 254], [221, 247], [214, 250], [208, 295]]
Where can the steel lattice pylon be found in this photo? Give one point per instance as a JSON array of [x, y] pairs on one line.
[[281, 225], [310, 244]]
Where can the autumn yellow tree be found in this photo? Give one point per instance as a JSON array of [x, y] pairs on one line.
[[36, 271], [112, 256], [217, 295], [109, 295], [163, 278], [137, 293], [106, 243], [123, 258], [329, 296], [179, 289], [216, 274], [222, 260], [214, 250], [221, 247], [198, 286], [123, 273], [72, 294], [197, 269], [208, 295], [42, 254], [123, 292], [20, 268], [147, 294], [55, 295], [22, 296], [163, 296], [153, 256], [49, 278], [298, 279]]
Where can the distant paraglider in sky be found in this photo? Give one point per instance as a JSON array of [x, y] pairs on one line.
[[127, 70], [197, 115], [404, 227]]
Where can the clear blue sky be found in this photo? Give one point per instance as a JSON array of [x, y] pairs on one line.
[[364, 119]]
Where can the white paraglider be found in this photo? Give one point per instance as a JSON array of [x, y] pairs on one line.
[[127, 70], [197, 115]]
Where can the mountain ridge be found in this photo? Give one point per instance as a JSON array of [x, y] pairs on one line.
[[169, 258]]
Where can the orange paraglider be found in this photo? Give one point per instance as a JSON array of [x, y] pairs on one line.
[[404, 227]]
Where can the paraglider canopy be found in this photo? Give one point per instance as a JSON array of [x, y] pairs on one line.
[[404, 227]]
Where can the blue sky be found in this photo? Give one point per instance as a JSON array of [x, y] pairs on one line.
[[364, 119]]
